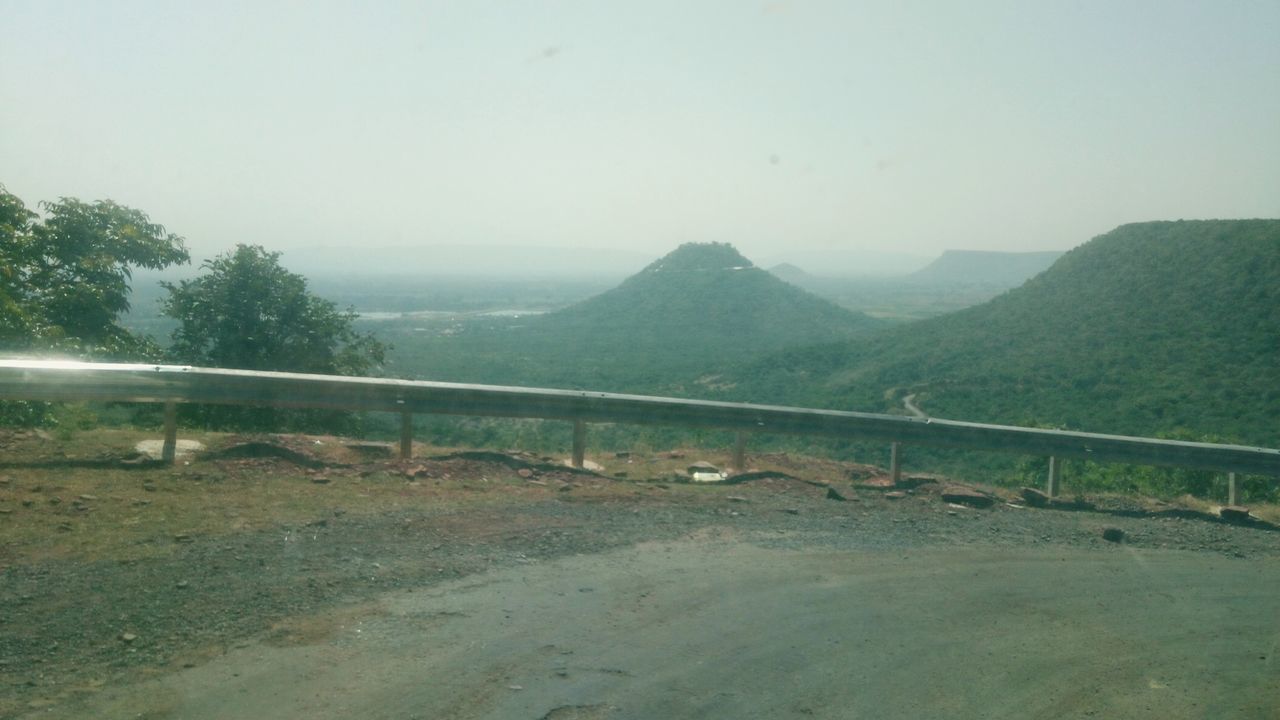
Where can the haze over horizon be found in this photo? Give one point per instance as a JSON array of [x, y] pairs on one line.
[[790, 129]]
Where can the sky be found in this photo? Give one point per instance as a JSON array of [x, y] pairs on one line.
[[850, 135]]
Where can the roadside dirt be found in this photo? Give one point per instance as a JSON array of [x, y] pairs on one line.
[[245, 561]]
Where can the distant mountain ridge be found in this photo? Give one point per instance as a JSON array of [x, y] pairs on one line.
[[1152, 327], [1008, 269]]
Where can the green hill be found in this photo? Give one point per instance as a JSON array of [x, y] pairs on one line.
[[1153, 327], [672, 327]]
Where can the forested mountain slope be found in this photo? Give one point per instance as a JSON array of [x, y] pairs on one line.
[[1153, 327]]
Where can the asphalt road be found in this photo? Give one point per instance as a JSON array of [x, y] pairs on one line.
[[740, 626]]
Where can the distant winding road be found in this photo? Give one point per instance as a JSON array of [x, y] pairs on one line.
[[909, 403]]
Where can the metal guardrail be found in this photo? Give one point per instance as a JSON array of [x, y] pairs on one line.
[[170, 384]]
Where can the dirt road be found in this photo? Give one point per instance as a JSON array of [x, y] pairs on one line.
[[744, 625], [481, 585]]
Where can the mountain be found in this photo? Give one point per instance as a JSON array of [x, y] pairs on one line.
[[704, 297], [1153, 327], [792, 274], [956, 280], [679, 322], [976, 267]]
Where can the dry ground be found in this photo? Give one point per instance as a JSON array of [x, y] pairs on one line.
[[116, 571]]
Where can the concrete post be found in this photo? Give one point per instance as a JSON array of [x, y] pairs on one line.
[[579, 442], [169, 451], [1055, 477], [1233, 496], [895, 463], [406, 435], [740, 452]]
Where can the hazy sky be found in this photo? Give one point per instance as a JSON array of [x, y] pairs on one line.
[[783, 127]]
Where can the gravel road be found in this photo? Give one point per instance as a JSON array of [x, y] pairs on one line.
[[758, 600]]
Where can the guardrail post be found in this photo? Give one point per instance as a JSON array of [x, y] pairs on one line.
[[895, 462], [406, 435], [579, 442], [169, 451], [1055, 477], [740, 451], [1232, 496]]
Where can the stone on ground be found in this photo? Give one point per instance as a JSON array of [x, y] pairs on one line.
[[962, 495]]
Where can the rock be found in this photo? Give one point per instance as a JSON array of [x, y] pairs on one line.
[[962, 495], [128, 637], [919, 480], [587, 465], [791, 511], [183, 538], [182, 585], [149, 486], [736, 498], [702, 467], [525, 473], [88, 497], [320, 479], [1034, 497], [622, 454], [895, 495], [371, 449], [863, 472], [154, 449], [704, 477], [833, 494], [1235, 513], [1112, 534]]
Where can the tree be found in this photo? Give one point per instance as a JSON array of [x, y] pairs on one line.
[[64, 278], [15, 235], [248, 312]]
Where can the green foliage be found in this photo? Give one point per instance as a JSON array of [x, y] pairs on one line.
[[1152, 328], [15, 240], [1080, 476], [64, 278], [64, 283], [247, 312]]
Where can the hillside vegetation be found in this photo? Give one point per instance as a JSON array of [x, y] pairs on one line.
[[1159, 327], [672, 327]]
